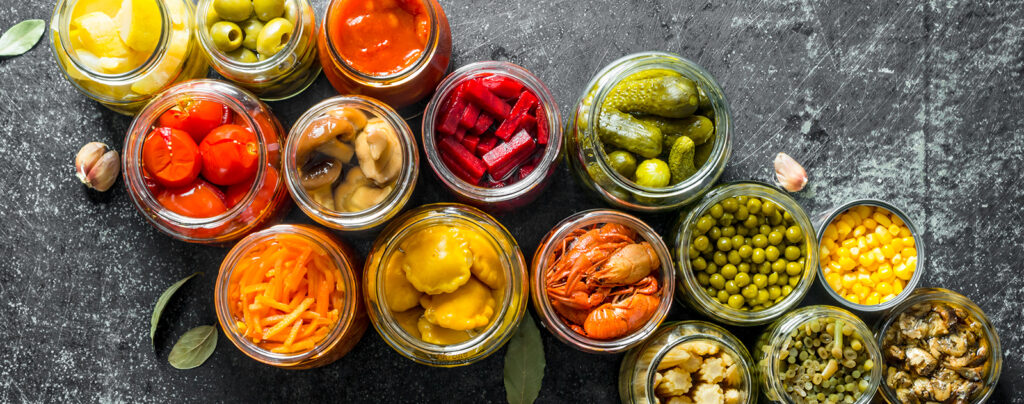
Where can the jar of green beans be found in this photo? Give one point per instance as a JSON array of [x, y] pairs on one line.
[[818, 355]]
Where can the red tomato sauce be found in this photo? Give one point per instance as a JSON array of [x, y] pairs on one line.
[[380, 37]]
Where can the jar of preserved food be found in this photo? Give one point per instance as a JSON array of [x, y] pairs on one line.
[[121, 67], [280, 65], [325, 320], [220, 213], [627, 124], [445, 285]]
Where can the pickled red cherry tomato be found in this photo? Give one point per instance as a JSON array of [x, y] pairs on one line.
[[264, 195], [171, 157], [198, 118], [198, 200], [230, 154]]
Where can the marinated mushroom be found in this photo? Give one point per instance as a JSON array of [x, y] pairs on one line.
[[342, 152], [367, 196], [321, 131], [378, 150], [323, 196], [356, 117], [321, 173], [353, 180]]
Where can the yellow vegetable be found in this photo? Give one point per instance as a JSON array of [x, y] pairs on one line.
[[98, 34], [138, 24], [409, 321], [398, 292], [437, 259], [436, 334], [470, 306], [486, 265]]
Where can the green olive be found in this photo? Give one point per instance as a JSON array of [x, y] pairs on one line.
[[243, 55], [275, 36], [291, 11], [211, 17], [652, 173], [233, 10], [226, 36], [267, 10], [623, 162], [251, 28]]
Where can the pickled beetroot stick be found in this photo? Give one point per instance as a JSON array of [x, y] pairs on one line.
[[460, 172], [526, 102], [485, 99], [462, 158], [449, 121], [470, 142], [528, 168], [542, 125], [469, 117], [483, 123], [505, 157], [502, 86], [486, 144], [460, 133]]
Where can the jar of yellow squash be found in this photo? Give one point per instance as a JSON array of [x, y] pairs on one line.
[[445, 285], [121, 53]]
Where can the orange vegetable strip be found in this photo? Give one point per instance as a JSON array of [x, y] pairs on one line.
[[259, 287], [266, 301], [291, 317], [291, 335], [298, 347], [297, 273]]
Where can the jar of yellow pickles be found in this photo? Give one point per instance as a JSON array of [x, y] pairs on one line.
[[121, 53], [445, 285]]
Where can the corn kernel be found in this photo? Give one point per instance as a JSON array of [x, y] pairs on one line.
[[884, 288], [903, 272], [908, 252], [887, 251], [881, 219], [862, 243], [896, 259], [845, 228], [823, 253], [887, 298], [864, 278], [884, 237], [896, 220], [850, 219], [897, 244], [873, 299], [834, 281], [897, 286], [854, 251], [853, 298], [831, 233], [871, 240], [860, 230], [860, 290], [894, 230], [866, 260], [869, 223], [843, 252], [885, 272], [908, 241], [848, 280], [835, 267], [911, 264], [863, 211], [849, 243], [864, 294], [876, 277], [831, 244]]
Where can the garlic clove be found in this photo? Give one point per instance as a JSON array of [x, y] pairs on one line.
[[97, 166], [789, 173], [87, 157]]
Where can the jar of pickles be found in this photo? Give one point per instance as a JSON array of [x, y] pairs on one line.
[[602, 281], [394, 51], [351, 163], [445, 285], [202, 163], [938, 346], [288, 296], [689, 361], [265, 46], [650, 132], [746, 253], [818, 354], [492, 134], [122, 53]]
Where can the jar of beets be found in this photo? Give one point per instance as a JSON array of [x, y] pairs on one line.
[[492, 133], [202, 162]]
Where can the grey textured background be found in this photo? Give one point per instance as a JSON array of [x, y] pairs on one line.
[[919, 103]]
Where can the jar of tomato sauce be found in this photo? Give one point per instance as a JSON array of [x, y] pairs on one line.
[[302, 315], [202, 163], [392, 50], [125, 68]]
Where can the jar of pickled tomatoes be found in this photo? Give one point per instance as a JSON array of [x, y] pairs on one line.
[[305, 314], [445, 285], [602, 281], [123, 53], [393, 50], [202, 163]]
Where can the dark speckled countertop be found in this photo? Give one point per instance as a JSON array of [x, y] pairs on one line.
[[919, 103]]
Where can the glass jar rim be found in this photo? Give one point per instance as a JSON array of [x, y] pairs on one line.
[[217, 56], [615, 72], [404, 184], [688, 279], [551, 152], [322, 241], [919, 241], [667, 274], [703, 331]]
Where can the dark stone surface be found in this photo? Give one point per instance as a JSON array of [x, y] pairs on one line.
[[918, 103]]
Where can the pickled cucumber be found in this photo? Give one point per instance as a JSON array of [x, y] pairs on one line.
[[680, 159], [666, 96], [703, 152], [651, 73], [623, 162], [626, 132], [697, 128]]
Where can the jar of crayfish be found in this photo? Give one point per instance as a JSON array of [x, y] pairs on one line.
[[268, 48], [689, 361], [123, 53], [351, 163], [394, 51], [746, 253], [602, 281], [445, 285], [288, 296], [202, 163]]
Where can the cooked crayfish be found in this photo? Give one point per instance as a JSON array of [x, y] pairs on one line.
[[602, 282]]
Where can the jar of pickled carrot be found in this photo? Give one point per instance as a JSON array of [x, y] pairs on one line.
[[445, 285], [288, 296], [392, 50], [122, 53], [208, 188]]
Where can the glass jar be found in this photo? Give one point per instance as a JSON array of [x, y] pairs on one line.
[[514, 195], [823, 221], [176, 58], [639, 366], [377, 214], [589, 160], [693, 292], [264, 203], [344, 334], [400, 90], [769, 348], [929, 296], [543, 259], [283, 74], [510, 304]]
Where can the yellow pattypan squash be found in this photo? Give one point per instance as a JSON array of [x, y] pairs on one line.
[[486, 265], [399, 293], [437, 259], [436, 334], [409, 320], [469, 307]]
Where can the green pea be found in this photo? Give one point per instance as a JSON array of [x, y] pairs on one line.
[[736, 301], [722, 296], [751, 222], [720, 258], [775, 238], [712, 268], [794, 235], [754, 205], [771, 253], [692, 251], [734, 257], [773, 278], [729, 271], [742, 279], [226, 36], [623, 162], [716, 210], [275, 36], [243, 55], [731, 287], [779, 265], [730, 204], [251, 28], [742, 230], [768, 207], [787, 217], [651, 173], [759, 241], [775, 218], [267, 10], [724, 244], [701, 243], [783, 278], [745, 251], [765, 229], [792, 253], [705, 223], [715, 233], [699, 263], [743, 267], [774, 292], [727, 219], [728, 231], [749, 292], [763, 296], [793, 281], [794, 269], [233, 10], [703, 279], [738, 241], [717, 281], [764, 268], [741, 213], [761, 280]]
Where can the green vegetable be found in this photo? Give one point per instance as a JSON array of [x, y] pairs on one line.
[[696, 127], [275, 36], [267, 10], [524, 363], [705, 102], [226, 36], [21, 37], [624, 131], [651, 73], [251, 28], [161, 302], [194, 347], [653, 173], [243, 55], [233, 10], [703, 152], [666, 96], [680, 160], [211, 17], [291, 12], [623, 162]]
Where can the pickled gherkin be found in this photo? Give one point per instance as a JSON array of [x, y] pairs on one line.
[[680, 159], [624, 131], [666, 96], [698, 128]]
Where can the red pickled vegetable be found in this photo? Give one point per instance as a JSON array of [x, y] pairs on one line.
[[528, 168], [523, 106], [485, 99], [527, 123], [504, 87], [470, 142], [506, 156], [198, 199], [486, 144], [171, 157], [460, 134], [460, 172], [450, 121], [469, 117], [542, 125], [483, 123], [462, 157]]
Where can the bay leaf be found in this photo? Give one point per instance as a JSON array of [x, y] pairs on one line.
[[158, 310], [194, 347], [524, 363], [21, 37]]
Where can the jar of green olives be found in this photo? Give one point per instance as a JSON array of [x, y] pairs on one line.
[[818, 354], [746, 253], [266, 46], [650, 132]]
